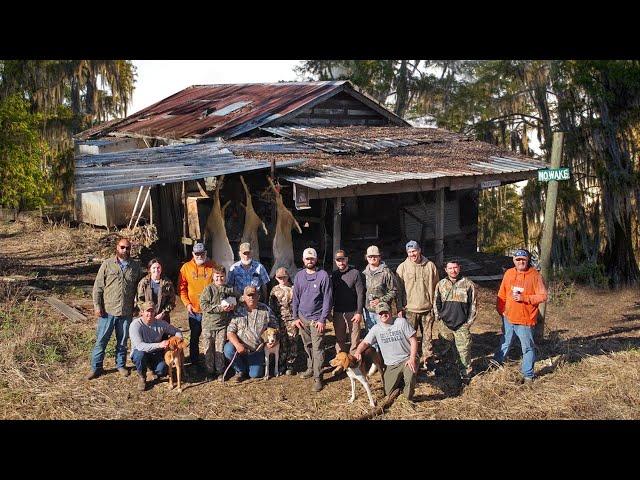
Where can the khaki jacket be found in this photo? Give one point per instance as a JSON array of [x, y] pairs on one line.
[[115, 291], [417, 285]]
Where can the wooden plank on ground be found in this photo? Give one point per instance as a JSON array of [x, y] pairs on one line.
[[71, 313]]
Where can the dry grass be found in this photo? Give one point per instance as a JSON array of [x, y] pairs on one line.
[[588, 369]]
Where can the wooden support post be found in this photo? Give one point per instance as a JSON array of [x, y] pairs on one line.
[[142, 207], [185, 232], [547, 228], [135, 206], [439, 243], [337, 224]]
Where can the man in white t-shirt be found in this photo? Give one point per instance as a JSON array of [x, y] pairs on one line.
[[399, 349]]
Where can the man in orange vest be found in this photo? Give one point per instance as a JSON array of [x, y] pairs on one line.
[[521, 291], [194, 276]]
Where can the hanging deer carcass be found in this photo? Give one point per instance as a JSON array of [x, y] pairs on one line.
[[251, 223], [215, 231], [282, 241]]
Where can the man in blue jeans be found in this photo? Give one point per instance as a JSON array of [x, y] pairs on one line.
[[244, 335], [114, 292], [148, 344]]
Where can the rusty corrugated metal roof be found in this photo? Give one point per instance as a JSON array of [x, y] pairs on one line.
[[205, 111]]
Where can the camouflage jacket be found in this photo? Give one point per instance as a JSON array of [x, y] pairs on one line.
[[213, 317], [456, 303], [381, 284], [249, 326], [280, 303]]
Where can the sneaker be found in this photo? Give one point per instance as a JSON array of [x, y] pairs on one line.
[[123, 371], [308, 373], [239, 377], [94, 374], [318, 385], [289, 372], [142, 382]]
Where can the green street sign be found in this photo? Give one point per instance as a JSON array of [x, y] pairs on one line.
[[553, 174]]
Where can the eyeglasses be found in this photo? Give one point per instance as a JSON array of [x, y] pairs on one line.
[[201, 254], [250, 294], [123, 247]]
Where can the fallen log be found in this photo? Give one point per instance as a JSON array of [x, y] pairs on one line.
[[379, 410], [71, 313]]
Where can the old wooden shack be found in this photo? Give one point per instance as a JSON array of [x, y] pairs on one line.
[[354, 173]]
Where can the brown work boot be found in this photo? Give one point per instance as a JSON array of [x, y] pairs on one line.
[[318, 385], [142, 382], [123, 371], [239, 377], [94, 374], [308, 373]]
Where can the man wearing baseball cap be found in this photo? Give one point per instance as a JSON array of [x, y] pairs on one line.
[[399, 349], [380, 283], [312, 301], [521, 291], [418, 278], [194, 276], [147, 344], [248, 271], [348, 302]]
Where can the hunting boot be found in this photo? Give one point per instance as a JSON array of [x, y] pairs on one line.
[[317, 384], [142, 382], [94, 374]]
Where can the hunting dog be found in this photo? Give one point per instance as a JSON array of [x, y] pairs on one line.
[[174, 358], [344, 361], [271, 345]]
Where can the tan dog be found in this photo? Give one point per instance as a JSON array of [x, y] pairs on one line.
[[271, 345], [357, 370], [174, 357]]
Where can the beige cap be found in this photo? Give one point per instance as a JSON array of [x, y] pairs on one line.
[[244, 247], [310, 253], [373, 250], [249, 289], [148, 305]]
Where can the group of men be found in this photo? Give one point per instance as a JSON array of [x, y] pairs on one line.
[[225, 313]]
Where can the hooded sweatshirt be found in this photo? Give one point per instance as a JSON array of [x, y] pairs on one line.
[[418, 284], [526, 311]]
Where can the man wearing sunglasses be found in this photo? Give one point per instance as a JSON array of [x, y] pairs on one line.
[[521, 291], [114, 292]]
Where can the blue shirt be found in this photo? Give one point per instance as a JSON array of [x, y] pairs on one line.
[[239, 277]]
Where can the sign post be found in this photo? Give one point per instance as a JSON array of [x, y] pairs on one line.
[[552, 176]]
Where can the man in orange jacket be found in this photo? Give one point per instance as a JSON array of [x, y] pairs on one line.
[[194, 276], [521, 291]]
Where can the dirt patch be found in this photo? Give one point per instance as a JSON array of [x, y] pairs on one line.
[[587, 368]]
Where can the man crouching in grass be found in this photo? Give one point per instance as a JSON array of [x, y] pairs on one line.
[[147, 344], [399, 349]]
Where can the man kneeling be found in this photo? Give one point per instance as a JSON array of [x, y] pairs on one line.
[[147, 344], [244, 332], [399, 349]]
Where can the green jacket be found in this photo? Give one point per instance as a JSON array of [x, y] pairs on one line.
[[213, 317], [381, 284], [167, 295], [115, 291]]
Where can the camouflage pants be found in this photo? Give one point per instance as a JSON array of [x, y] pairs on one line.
[[288, 345], [424, 323], [213, 354], [462, 340]]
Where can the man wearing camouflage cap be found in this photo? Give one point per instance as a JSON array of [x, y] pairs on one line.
[[148, 341], [399, 349]]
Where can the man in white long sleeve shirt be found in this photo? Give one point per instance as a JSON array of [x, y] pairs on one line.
[[148, 342]]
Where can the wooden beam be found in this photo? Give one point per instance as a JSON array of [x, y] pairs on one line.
[[337, 224], [439, 243], [71, 313]]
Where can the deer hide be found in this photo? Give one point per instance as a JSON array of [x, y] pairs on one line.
[[251, 224], [282, 241], [215, 230]]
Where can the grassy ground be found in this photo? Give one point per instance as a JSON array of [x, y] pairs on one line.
[[588, 368]]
